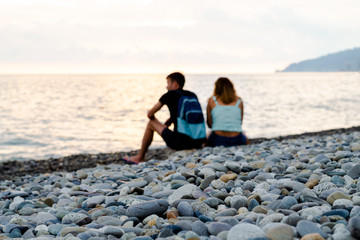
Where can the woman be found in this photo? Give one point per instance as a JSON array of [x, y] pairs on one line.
[[225, 112]]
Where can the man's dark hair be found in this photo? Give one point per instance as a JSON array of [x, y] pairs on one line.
[[177, 77]]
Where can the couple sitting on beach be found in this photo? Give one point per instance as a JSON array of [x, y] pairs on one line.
[[225, 112]]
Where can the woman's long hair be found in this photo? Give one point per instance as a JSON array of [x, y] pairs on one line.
[[224, 90]]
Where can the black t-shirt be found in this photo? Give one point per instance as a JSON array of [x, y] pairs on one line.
[[171, 99]]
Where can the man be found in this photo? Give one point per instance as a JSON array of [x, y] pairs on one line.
[[173, 139]]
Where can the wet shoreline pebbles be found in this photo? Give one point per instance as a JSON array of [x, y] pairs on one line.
[[304, 187], [15, 168]]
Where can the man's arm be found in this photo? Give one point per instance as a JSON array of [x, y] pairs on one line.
[[168, 122], [154, 109]]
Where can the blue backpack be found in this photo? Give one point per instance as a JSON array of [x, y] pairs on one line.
[[190, 120]]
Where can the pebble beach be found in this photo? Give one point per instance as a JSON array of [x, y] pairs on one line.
[[304, 187]]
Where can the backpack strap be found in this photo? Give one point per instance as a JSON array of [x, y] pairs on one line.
[[238, 103], [216, 102]]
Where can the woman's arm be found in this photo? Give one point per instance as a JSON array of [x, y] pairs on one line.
[[242, 110], [208, 114]]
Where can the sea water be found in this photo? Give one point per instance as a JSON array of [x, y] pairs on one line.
[[43, 116]]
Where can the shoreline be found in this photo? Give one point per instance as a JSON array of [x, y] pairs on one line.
[[16, 168]]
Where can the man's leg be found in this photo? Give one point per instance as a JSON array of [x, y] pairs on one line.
[[153, 126]]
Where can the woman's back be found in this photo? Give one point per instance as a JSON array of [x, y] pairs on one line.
[[226, 117]]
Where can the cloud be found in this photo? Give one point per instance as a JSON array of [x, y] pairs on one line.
[[144, 34]]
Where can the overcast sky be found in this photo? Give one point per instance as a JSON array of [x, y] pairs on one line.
[[193, 36]]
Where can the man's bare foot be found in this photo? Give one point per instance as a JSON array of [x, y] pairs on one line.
[[136, 159], [131, 161]]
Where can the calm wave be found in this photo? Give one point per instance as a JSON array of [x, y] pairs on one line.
[[43, 116]]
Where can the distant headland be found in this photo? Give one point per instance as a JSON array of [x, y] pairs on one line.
[[344, 61]]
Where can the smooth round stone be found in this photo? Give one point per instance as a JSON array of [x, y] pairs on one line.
[[355, 147], [222, 235], [343, 202], [18, 220], [248, 185], [354, 172], [204, 218], [41, 230], [312, 236], [287, 202], [296, 186], [191, 235], [14, 194], [276, 217], [185, 209], [187, 189], [43, 217], [73, 218], [7, 228], [355, 211], [25, 204], [142, 238], [81, 174], [338, 181], [293, 219], [253, 203], [354, 227], [336, 172], [15, 233], [322, 158], [218, 184], [145, 209], [305, 227], [233, 166], [198, 194], [229, 220], [260, 209], [101, 212], [212, 202], [274, 205], [75, 230], [245, 231], [238, 202], [93, 201], [113, 221], [325, 194], [117, 232], [311, 183], [335, 196], [227, 177], [227, 212], [200, 228], [207, 181], [341, 212], [323, 187], [54, 229], [28, 234], [263, 176], [341, 233], [201, 207], [312, 211], [174, 228], [184, 225], [26, 211], [215, 228], [283, 232]]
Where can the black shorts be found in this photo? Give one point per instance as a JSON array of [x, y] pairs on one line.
[[178, 141]]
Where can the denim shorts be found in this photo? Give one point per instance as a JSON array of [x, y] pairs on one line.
[[217, 140], [178, 141]]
